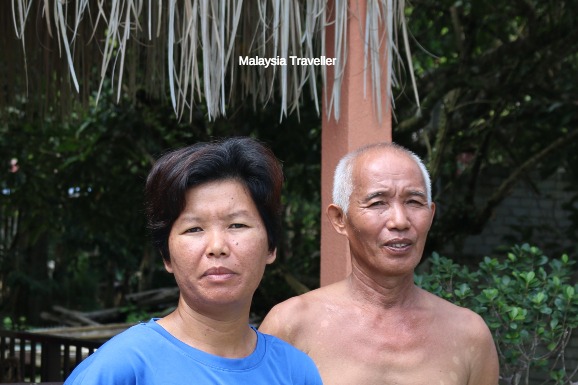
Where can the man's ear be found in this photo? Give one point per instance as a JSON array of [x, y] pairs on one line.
[[433, 212], [337, 218]]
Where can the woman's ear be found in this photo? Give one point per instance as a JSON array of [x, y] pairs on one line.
[[168, 265], [337, 218], [271, 257]]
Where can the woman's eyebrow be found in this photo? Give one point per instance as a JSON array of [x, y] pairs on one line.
[[239, 213]]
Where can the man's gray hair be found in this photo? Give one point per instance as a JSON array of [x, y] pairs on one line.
[[343, 177]]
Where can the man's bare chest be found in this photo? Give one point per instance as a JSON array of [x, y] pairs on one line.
[[398, 355]]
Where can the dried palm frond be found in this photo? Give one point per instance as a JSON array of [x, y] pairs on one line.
[[197, 46]]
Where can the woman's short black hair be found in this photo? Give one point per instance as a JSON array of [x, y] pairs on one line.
[[240, 158]]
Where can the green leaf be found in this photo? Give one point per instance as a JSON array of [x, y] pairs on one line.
[[538, 298], [490, 294], [569, 292], [556, 281], [546, 310], [527, 277]]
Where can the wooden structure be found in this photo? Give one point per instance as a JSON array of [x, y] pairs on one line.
[[31, 357]]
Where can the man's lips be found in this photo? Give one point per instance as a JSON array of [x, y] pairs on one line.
[[398, 244]]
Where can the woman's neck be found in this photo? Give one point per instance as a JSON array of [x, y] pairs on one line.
[[230, 337]]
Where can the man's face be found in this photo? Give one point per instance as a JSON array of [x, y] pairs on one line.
[[389, 217]]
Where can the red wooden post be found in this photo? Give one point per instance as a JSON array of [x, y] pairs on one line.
[[358, 125]]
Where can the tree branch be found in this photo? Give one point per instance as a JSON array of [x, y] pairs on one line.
[[503, 190]]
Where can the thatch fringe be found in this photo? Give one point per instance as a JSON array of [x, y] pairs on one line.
[[197, 46]]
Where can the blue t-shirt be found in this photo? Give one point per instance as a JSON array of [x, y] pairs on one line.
[[147, 354]]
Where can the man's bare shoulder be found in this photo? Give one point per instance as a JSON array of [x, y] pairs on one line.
[[456, 317], [290, 317], [469, 331]]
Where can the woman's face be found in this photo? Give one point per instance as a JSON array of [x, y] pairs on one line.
[[218, 247]]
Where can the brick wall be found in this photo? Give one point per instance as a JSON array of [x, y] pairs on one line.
[[535, 206]]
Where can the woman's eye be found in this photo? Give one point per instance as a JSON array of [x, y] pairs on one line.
[[193, 230], [237, 226]]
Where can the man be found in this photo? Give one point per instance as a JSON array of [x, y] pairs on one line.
[[376, 326]]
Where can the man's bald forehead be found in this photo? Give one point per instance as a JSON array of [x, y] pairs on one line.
[[384, 149]]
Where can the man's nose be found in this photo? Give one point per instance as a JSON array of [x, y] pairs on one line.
[[398, 218]]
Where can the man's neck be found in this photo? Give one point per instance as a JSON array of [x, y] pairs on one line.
[[387, 292]]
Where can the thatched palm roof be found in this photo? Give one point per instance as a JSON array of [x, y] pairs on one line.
[[190, 47]]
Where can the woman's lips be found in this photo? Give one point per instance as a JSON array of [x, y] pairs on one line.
[[218, 273]]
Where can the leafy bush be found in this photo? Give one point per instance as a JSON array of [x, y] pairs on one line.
[[528, 301]]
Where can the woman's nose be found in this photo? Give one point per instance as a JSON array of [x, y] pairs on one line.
[[217, 244]]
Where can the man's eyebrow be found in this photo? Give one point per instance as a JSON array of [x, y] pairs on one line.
[[419, 193], [374, 194], [386, 193]]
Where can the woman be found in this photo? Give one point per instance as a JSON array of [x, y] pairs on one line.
[[214, 212]]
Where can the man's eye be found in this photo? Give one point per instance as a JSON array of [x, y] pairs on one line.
[[376, 203], [415, 202]]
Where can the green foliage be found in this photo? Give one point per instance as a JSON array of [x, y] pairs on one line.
[[74, 202], [498, 90], [528, 301], [9, 324]]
